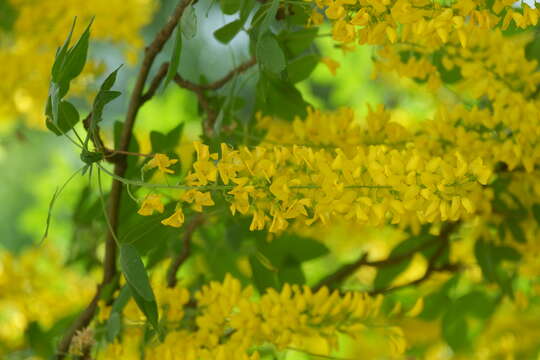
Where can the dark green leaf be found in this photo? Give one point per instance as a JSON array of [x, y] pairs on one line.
[[121, 301], [455, 331], [296, 42], [291, 272], [175, 58], [68, 117], [263, 277], [536, 212], [299, 69], [114, 325], [270, 55], [110, 80], [164, 143], [76, 57], [149, 308], [517, 231], [227, 32], [60, 57], [8, 15], [448, 76], [487, 262], [279, 98], [135, 273], [229, 7], [246, 9], [104, 96], [489, 258], [39, 340]]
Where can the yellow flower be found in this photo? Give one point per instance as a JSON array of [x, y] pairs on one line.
[[150, 204], [162, 162], [335, 11], [199, 199], [331, 64], [176, 219]]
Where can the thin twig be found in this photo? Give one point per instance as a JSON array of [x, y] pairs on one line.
[[156, 82], [109, 263], [432, 264], [199, 90], [195, 222]]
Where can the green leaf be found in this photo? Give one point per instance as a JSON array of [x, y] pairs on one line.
[[268, 18], [175, 58], [448, 76], [291, 272], [114, 325], [279, 98], [536, 212], [227, 32], [76, 57], [67, 118], [246, 9], [164, 143], [517, 231], [229, 7], [60, 57], [8, 15], [270, 55], [188, 22], [149, 308], [121, 301], [134, 271], [104, 96], [299, 69], [455, 331], [296, 42], [490, 257], [263, 277], [487, 262], [109, 81], [39, 340]]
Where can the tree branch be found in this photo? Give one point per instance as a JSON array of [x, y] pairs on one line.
[[156, 82], [196, 221], [432, 268], [347, 270], [200, 89], [109, 263]]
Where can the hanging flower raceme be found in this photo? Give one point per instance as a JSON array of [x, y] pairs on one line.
[[231, 323]]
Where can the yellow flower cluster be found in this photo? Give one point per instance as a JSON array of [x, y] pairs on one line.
[[361, 180], [27, 50], [29, 283], [232, 323], [434, 23]]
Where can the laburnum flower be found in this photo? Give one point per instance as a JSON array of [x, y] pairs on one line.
[[332, 65], [150, 204], [205, 170], [162, 162], [176, 219], [199, 199]]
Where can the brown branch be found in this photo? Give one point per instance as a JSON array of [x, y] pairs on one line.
[[236, 71], [156, 82], [432, 268], [196, 221], [109, 263], [199, 90], [347, 270]]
